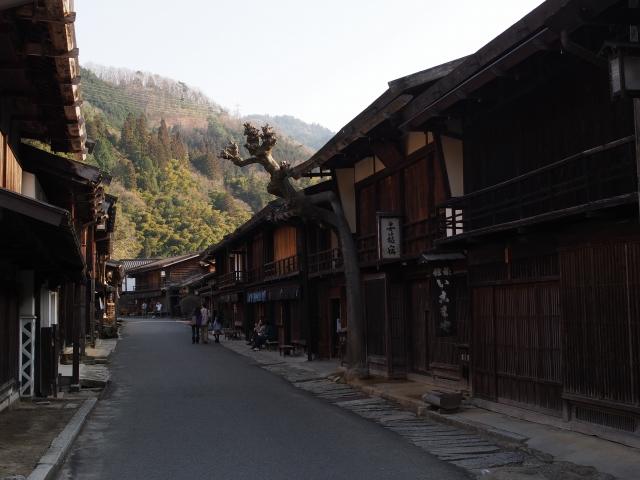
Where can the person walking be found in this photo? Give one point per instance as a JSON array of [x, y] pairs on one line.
[[204, 323], [217, 327], [196, 320], [144, 308]]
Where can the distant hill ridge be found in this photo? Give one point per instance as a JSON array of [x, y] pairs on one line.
[[188, 106], [159, 138]]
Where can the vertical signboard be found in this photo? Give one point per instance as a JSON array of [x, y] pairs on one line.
[[389, 237]]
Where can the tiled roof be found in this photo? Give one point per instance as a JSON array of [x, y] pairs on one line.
[[136, 262], [164, 262]]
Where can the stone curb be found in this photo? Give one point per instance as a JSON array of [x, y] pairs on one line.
[[53, 458], [421, 409]]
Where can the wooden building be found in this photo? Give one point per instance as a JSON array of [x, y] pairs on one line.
[[257, 277], [51, 208], [548, 216], [161, 281], [390, 183]]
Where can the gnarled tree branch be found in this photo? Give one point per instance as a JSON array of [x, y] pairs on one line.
[[260, 144]]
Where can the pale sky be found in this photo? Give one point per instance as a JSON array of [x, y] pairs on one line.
[[321, 61]]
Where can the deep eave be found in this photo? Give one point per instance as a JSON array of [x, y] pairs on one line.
[[534, 32], [393, 100], [50, 228], [41, 74], [37, 161]]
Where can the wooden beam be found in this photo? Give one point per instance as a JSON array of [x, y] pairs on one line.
[[388, 152], [44, 18], [36, 49], [379, 111]]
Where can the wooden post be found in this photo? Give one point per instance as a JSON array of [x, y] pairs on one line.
[[304, 281], [636, 119], [634, 38], [76, 294]]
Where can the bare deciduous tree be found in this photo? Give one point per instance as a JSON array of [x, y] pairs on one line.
[[260, 145]]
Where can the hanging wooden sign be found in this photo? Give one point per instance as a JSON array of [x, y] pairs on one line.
[[389, 236]]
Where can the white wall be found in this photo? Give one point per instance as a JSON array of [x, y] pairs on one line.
[[366, 167], [453, 157], [128, 284], [31, 187]]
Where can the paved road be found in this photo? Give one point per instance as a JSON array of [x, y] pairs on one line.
[[182, 411]]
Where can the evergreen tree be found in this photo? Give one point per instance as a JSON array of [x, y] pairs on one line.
[[178, 148], [105, 155]]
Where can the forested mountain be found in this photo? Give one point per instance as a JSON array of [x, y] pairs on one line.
[[160, 139]]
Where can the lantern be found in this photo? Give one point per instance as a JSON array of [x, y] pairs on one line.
[[624, 73]]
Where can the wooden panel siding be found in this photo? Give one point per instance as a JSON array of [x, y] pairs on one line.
[[516, 345], [375, 314], [416, 197], [528, 350], [516, 341], [420, 319], [366, 211], [412, 189], [601, 318], [284, 242], [389, 194], [12, 171], [396, 331], [182, 270], [483, 353], [257, 252], [569, 113]]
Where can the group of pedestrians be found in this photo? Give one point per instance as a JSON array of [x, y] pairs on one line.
[[157, 309], [201, 319]]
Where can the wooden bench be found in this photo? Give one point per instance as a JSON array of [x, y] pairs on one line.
[[286, 349], [271, 344], [299, 344]]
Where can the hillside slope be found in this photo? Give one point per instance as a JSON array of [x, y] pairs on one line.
[[160, 139]]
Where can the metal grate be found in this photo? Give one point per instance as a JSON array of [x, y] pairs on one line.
[[607, 419]]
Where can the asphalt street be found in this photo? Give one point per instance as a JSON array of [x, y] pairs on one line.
[[180, 411]]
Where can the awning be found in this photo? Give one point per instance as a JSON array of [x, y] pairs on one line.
[[38, 235]]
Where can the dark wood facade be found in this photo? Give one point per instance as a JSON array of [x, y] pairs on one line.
[[521, 186], [163, 281], [258, 278], [549, 220], [52, 209]]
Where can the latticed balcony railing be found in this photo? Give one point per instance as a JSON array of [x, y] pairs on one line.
[[326, 261], [231, 278], [600, 177], [281, 268]]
